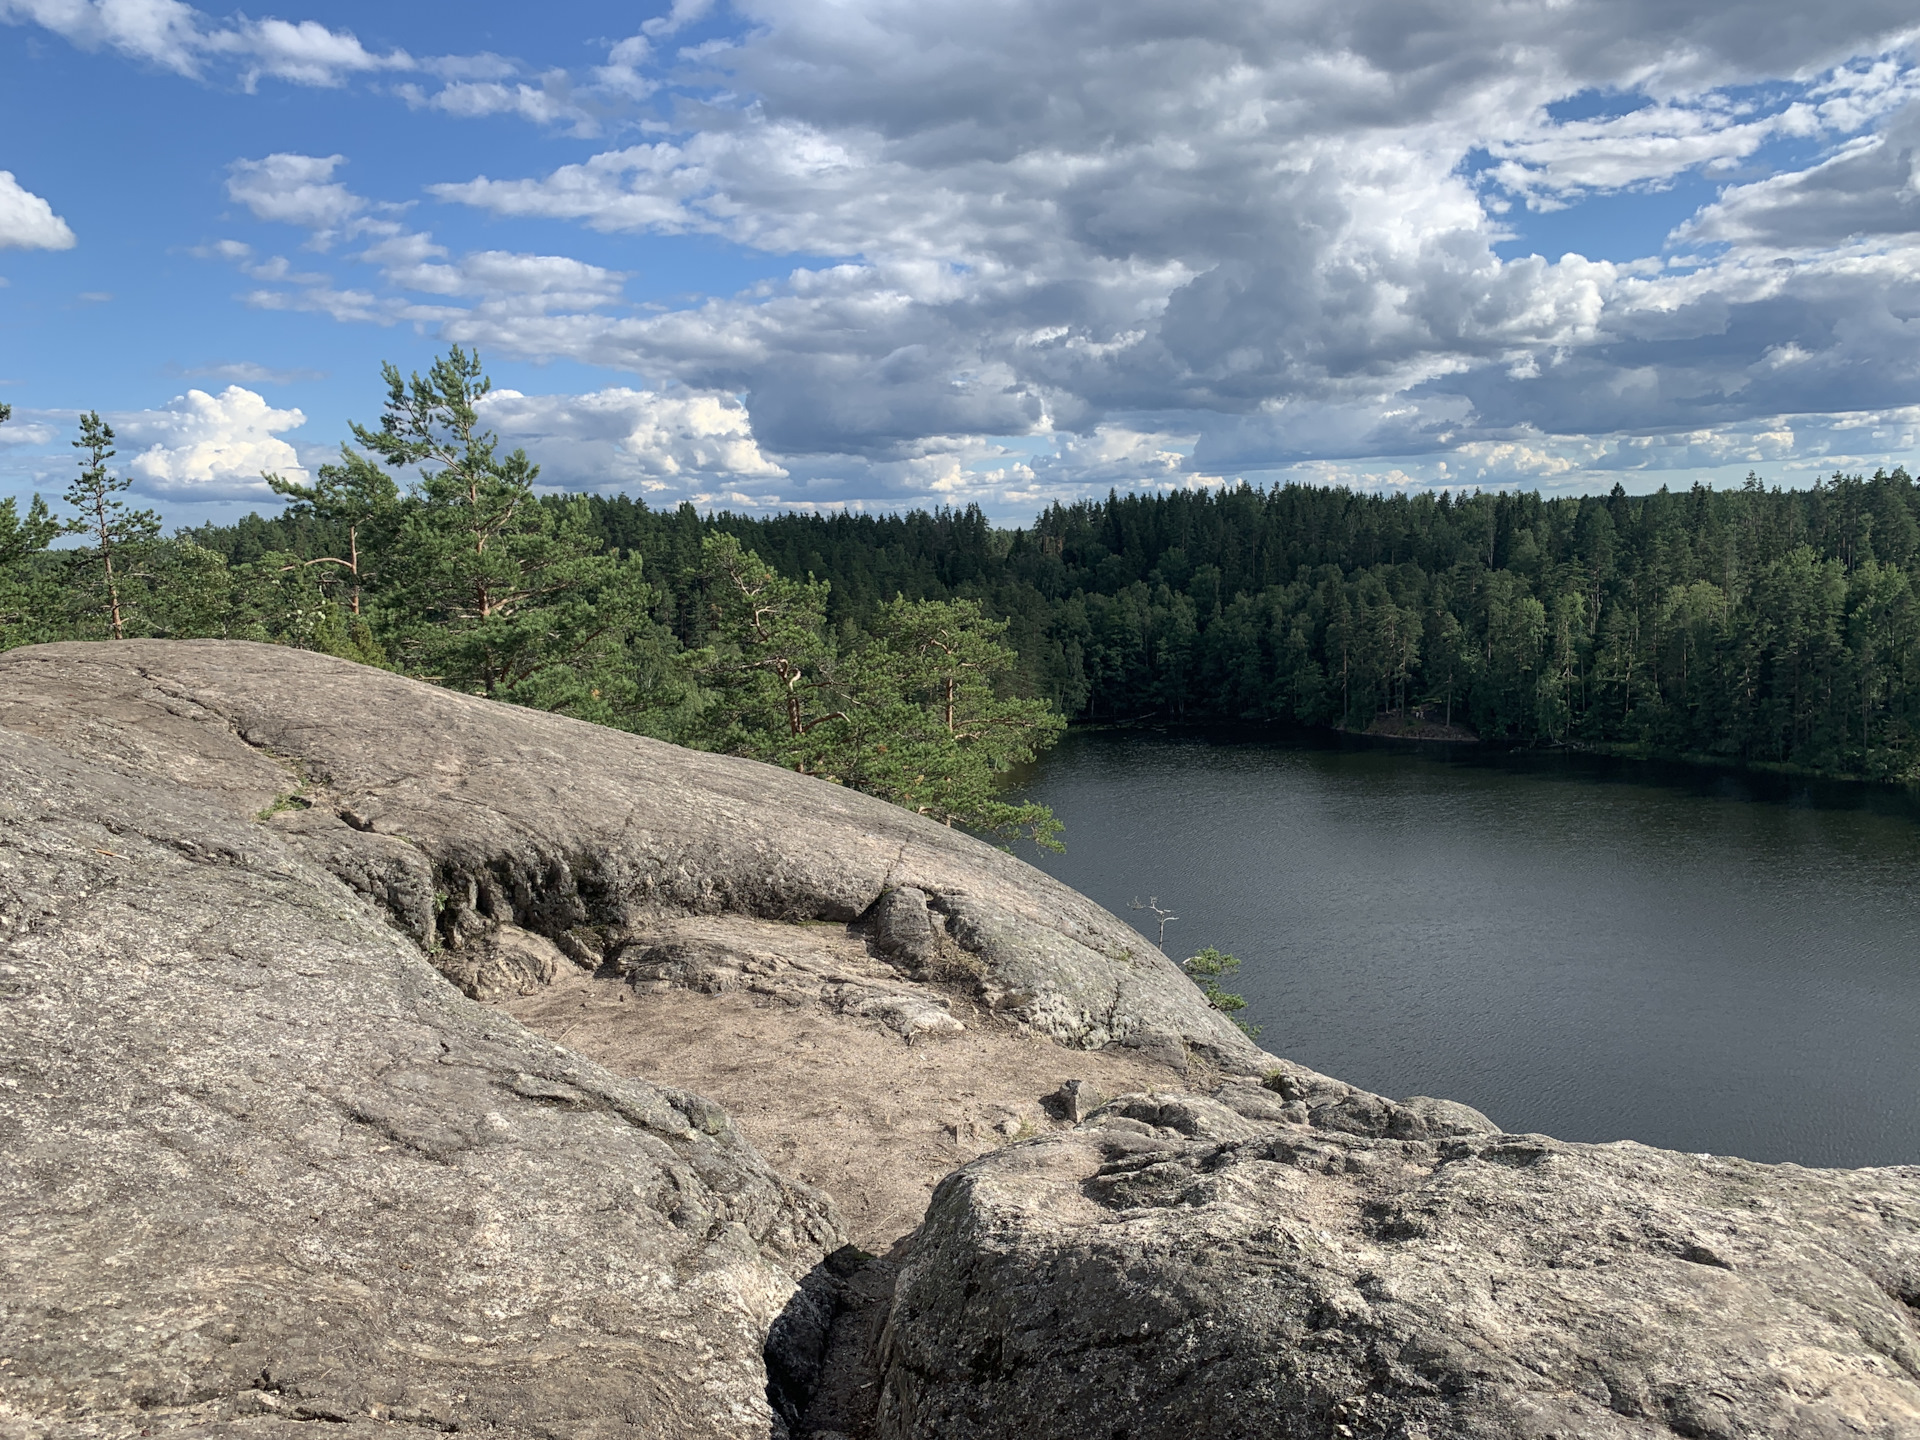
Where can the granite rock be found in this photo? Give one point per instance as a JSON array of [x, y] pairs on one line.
[[261, 1163], [1176, 1270], [563, 828]]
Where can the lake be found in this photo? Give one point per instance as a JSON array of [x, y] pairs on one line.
[[1594, 949]]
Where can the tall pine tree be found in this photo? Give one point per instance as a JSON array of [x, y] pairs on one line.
[[120, 538], [485, 587]]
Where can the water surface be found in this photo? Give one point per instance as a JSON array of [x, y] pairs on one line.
[[1594, 949]]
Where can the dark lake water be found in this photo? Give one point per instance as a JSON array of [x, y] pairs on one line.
[[1593, 949]]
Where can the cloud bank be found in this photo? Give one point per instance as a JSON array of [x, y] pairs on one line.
[[1036, 246]]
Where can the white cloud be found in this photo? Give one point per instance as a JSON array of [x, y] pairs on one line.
[[551, 101], [247, 372], [177, 37], [27, 222], [683, 14], [1223, 214], [210, 447], [508, 291], [295, 190], [621, 438], [603, 98], [1228, 238], [305, 53], [538, 282], [22, 431], [1868, 189]]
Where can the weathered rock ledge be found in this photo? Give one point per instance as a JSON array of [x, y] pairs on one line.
[[272, 1152]]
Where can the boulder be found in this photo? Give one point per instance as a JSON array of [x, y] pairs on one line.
[[1174, 1270], [1075, 1100]]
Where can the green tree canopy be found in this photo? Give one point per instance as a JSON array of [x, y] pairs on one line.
[[913, 710], [483, 587], [29, 596]]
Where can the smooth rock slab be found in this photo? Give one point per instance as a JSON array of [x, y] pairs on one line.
[[456, 814], [1223, 1277], [259, 1159]]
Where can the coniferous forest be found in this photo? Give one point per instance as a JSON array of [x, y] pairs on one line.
[[1755, 625]]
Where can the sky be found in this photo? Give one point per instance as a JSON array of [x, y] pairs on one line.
[[815, 254]]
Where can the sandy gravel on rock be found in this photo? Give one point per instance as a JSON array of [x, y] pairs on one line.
[[837, 1101]]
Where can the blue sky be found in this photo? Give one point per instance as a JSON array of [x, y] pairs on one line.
[[883, 253]]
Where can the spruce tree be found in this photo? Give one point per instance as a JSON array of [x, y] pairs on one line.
[[119, 537]]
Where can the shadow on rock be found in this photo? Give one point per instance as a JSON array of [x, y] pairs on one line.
[[823, 1350]]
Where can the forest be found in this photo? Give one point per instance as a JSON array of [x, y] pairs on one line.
[[1754, 625]]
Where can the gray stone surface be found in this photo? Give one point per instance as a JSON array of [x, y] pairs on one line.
[[1176, 1270], [258, 1160], [583, 835]]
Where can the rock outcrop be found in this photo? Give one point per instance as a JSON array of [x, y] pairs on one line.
[[457, 815], [1174, 1269], [258, 1159], [273, 1150]]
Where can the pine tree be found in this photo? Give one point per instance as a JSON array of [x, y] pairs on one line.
[[934, 677], [486, 588], [356, 494], [769, 676], [25, 593], [120, 537], [915, 715]]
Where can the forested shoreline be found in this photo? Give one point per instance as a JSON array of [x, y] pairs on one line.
[[1755, 625]]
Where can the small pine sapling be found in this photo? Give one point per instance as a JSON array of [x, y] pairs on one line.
[[1207, 968]]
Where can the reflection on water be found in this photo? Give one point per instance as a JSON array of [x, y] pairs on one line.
[[1593, 949]]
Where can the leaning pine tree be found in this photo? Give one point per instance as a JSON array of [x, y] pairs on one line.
[[485, 587]]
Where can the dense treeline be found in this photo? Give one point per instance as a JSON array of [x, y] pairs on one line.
[[1759, 625], [1763, 625]]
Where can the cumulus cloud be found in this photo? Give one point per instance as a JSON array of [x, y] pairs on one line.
[[621, 438], [177, 37], [210, 447], [27, 222], [295, 190], [1259, 215]]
